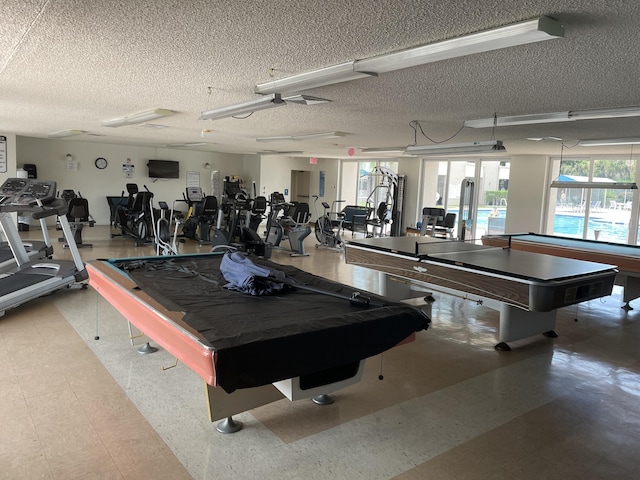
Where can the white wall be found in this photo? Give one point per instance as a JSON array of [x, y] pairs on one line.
[[275, 176], [271, 173], [411, 169], [527, 183], [49, 156]]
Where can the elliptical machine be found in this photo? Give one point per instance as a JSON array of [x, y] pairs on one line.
[[165, 242]]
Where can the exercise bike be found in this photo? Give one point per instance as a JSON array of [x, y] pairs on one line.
[[328, 230]]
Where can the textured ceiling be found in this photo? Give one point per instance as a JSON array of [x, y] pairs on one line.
[[70, 64]]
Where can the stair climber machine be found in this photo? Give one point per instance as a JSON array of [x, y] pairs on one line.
[[288, 220], [166, 243], [35, 278]]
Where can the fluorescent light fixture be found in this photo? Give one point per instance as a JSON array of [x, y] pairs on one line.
[[519, 120], [138, 118], [605, 113], [488, 146], [317, 136], [537, 30], [273, 152], [305, 100], [609, 141], [343, 72], [65, 133], [274, 139], [154, 126], [545, 139], [178, 145], [244, 108], [595, 185], [554, 117], [299, 138], [384, 150]]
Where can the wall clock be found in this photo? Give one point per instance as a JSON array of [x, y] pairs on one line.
[[101, 163]]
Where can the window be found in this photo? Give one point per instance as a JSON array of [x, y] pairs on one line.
[[442, 185], [599, 213], [359, 181]]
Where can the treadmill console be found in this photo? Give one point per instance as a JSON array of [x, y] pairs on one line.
[[13, 186], [27, 192]]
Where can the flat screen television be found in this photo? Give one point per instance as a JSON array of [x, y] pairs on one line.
[[164, 169]]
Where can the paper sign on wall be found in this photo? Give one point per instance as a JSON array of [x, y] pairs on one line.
[[193, 179], [3, 154]]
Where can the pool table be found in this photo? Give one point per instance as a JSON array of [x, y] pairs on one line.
[[242, 345], [625, 257]]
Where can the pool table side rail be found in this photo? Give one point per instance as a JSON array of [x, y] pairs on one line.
[[164, 327]]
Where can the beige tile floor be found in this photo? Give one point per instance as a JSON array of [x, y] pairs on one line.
[[449, 407]]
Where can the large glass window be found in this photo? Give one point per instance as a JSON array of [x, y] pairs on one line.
[[599, 212], [361, 185], [442, 186]]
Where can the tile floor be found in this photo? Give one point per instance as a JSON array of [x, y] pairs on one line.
[[449, 407]]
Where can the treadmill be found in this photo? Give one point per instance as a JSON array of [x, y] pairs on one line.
[[36, 250], [35, 278]]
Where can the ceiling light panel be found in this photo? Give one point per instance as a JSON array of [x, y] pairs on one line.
[[300, 138], [318, 136], [609, 141], [65, 133], [519, 120], [314, 79], [540, 29], [244, 108], [140, 117], [488, 146], [554, 117], [305, 100]]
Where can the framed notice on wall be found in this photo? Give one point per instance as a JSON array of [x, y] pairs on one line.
[[3, 154]]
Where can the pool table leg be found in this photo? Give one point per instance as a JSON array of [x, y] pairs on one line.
[[222, 405], [516, 324], [631, 285]]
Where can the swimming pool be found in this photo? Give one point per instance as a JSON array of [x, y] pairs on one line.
[[569, 226]]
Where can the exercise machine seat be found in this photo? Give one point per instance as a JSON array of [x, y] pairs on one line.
[[79, 216]]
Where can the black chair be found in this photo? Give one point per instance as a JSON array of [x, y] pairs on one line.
[[444, 229], [79, 216], [258, 211], [207, 214], [431, 217], [354, 218]]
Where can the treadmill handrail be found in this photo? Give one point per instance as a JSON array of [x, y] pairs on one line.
[[45, 214]]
